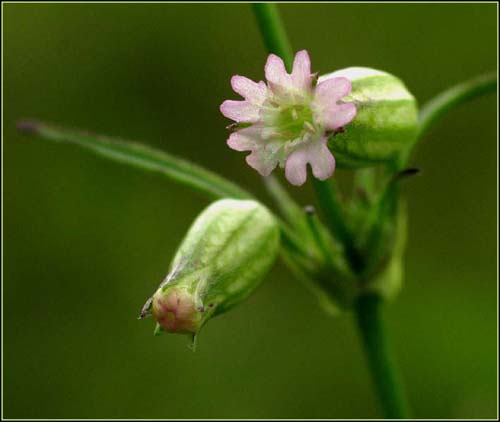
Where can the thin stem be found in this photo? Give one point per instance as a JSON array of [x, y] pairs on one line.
[[364, 180], [292, 212], [273, 31], [367, 309], [329, 202], [315, 227], [277, 42], [385, 376]]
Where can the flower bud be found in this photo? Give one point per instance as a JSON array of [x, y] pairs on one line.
[[223, 258], [385, 123]]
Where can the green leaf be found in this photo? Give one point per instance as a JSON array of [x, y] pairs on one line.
[[434, 109], [446, 101], [142, 156]]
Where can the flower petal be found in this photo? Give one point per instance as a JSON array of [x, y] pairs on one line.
[[171, 301], [240, 143], [246, 139], [262, 163], [332, 90], [322, 161], [240, 111], [253, 92], [185, 308], [338, 115], [301, 73], [276, 72], [296, 167], [317, 155], [263, 158]]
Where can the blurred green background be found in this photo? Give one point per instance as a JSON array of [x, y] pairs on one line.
[[87, 241]]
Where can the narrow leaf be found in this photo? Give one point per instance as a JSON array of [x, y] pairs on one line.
[[454, 96], [142, 156]]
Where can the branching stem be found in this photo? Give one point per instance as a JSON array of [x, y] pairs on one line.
[[368, 307]]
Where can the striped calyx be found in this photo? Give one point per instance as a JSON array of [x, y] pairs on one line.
[[223, 258], [385, 123]]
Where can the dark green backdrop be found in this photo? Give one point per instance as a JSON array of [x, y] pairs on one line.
[[86, 240]]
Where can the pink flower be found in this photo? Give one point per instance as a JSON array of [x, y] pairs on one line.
[[287, 121], [176, 311]]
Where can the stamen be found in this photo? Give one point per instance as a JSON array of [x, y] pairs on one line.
[[309, 127]]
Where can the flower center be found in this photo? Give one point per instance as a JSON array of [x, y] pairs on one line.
[[292, 121]]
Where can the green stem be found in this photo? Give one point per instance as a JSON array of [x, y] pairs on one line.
[[315, 228], [329, 202], [277, 42], [368, 307], [290, 210], [385, 376], [273, 31]]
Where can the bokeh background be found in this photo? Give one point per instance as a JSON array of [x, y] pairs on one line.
[[86, 241]]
